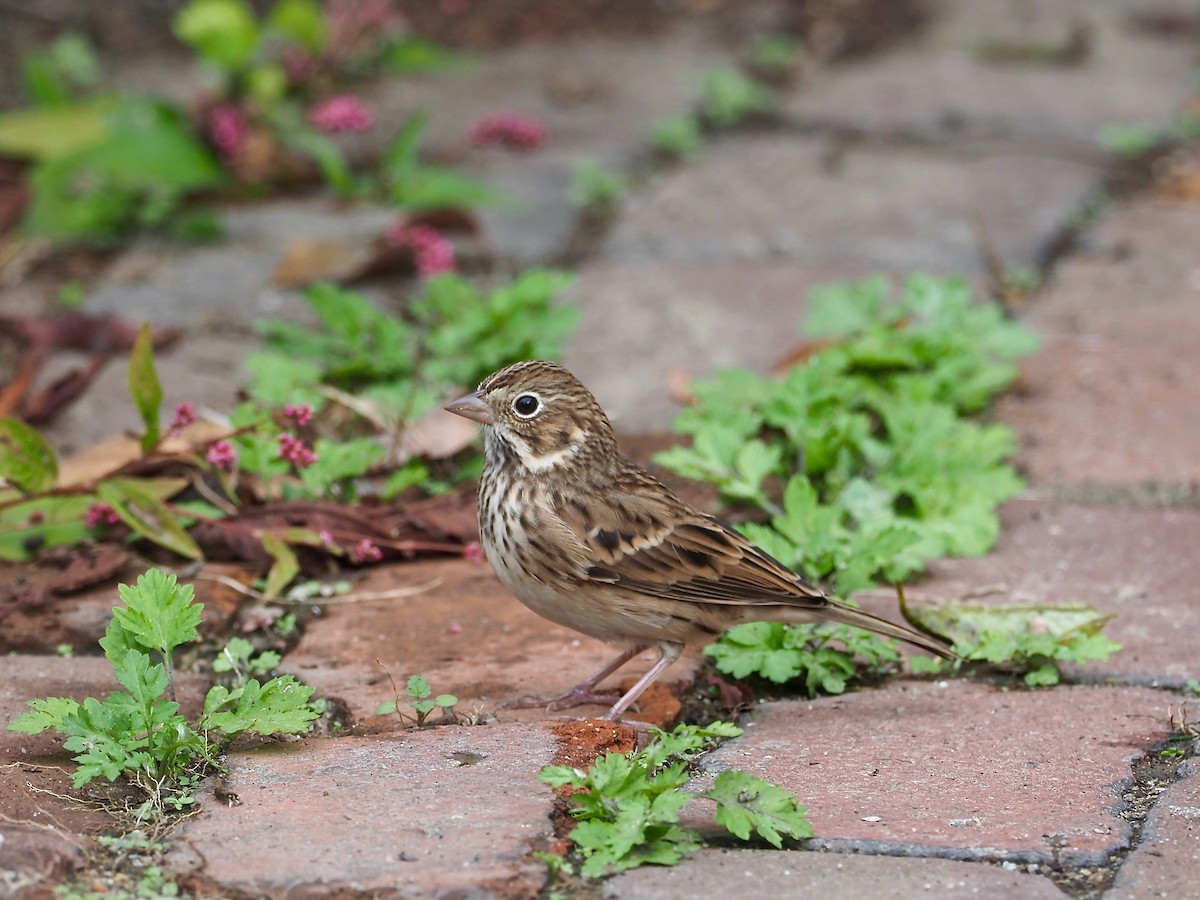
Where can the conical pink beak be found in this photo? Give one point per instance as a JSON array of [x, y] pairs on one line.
[[472, 406]]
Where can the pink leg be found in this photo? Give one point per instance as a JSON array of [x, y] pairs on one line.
[[668, 653], [584, 691]]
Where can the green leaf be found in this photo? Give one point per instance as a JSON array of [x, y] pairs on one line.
[[146, 515], [159, 612], [50, 712], [746, 803], [48, 133], [135, 177], [144, 681], [281, 706], [418, 688], [302, 21], [1043, 676], [284, 568], [235, 655], [144, 386], [40, 523], [224, 32], [412, 54], [26, 458]]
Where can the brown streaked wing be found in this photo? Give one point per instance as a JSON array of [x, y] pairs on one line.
[[648, 541]]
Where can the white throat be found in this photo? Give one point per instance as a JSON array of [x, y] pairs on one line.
[[535, 463]]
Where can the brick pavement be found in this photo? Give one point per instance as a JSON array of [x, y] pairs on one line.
[[937, 788]]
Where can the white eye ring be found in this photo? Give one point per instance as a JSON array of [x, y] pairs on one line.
[[523, 409]]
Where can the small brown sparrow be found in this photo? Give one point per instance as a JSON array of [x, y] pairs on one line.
[[591, 541]]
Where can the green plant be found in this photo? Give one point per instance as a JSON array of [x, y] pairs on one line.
[[238, 657], [863, 457], [63, 73], [1130, 141], [421, 699], [452, 335], [105, 168], [138, 733], [775, 55], [676, 137], [229, 37], [1027, 639], [728, 97], [400, 368], [628, 806], [784, 653], [595, 187]]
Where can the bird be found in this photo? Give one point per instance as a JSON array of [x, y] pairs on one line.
[[591, 541]]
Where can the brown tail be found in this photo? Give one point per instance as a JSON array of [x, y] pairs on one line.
[[848, 615]]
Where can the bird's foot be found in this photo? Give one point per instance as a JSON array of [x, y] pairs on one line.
[[574, 697]]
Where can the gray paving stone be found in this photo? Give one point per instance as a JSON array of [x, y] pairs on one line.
[[597, 98], [640, 323], [785, 195], [940, 86], [226, 284], [1137, 563], [957, 769], [440, 813], [1167, 862], [765, 873], [1112, 396]]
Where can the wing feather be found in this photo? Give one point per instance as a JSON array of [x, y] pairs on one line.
[[652, 543]]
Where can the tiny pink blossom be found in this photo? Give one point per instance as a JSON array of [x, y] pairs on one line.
[[295, 451], [454, 628], [473, 552], [185, 415], [227, 129], [222, 455], [100, 515], [512, 131], [365, 551], [300, 413], [343, 113], [298, 64], [432, 252], [326, 538]]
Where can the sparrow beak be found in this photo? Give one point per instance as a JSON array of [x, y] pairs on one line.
[[473, 407]]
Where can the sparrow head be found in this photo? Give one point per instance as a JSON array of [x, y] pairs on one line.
[[539, 415]]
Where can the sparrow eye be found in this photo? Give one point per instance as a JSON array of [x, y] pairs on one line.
[[527, 405]]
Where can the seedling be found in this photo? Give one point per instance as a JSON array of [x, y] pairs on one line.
[[595, 187], [676, 137], [421, 699]]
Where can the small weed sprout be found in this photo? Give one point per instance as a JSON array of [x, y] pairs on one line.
[[628, 806]]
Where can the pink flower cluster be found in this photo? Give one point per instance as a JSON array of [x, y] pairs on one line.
[[227, 129], [432, 251], [185, 415], [365, 551], [343, 113], [512, 131], [100, 515], [295, 451], [222, 455], [300, 413]]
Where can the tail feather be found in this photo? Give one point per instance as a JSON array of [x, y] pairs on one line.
[[848, 615]]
